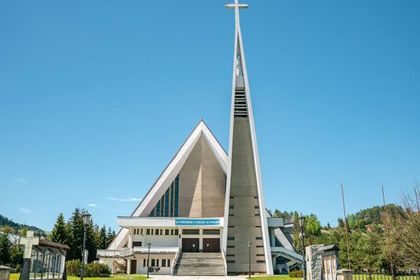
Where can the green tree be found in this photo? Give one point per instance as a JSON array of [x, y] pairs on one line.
[[110, 236], [16, 256], [76, 237], [406, 230], [5, 249], [59, 233], [366, 250], [75, 227], [103, 238], [312, 228]]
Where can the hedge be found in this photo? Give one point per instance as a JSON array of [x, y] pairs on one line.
[[296, 273], [91, 269]]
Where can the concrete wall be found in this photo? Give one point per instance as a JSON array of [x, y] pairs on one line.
[[158, 240], [140, 269], [202, 184], [244, 220]]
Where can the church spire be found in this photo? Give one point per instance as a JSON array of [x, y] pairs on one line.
[[245, 214]]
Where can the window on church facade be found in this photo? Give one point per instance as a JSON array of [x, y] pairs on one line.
[[168, 205], [191, 231]]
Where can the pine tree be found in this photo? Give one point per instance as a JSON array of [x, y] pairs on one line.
[[91, 244], [103, 238], [110, 236], [76, 237], [59, 233], [4, 249]]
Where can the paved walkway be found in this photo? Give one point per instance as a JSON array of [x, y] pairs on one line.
[[167, 277]]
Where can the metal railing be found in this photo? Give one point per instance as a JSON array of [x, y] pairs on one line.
[[173, 264], [383, 275]]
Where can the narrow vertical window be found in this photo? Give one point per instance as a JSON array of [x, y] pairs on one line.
[[158, 209], [176, 207], [167, 203], [171, 190]]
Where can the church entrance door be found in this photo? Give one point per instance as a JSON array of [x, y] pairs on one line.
[[211, 245], [190, 244]]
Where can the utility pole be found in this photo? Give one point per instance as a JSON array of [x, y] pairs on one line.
[[346, 226], [383, 195], [86, 220], [388, 232], [302, 238], [148, 258]]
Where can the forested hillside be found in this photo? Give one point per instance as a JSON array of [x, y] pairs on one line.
[[6, 222], [378, 238]]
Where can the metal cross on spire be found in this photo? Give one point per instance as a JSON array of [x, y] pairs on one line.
[[238, 37], [236, 6]]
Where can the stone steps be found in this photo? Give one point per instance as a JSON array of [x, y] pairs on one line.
[[200, 264]]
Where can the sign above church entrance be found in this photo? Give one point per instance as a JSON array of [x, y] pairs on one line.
[[197, 222]]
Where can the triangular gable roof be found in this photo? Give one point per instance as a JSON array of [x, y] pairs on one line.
[[169, 174]]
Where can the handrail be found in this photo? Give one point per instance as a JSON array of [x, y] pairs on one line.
[[224, 261], [174, 262]]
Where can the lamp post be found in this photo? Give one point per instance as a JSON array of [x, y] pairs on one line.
[[148, 258], [86, 219], [249, 259], [302, 237]]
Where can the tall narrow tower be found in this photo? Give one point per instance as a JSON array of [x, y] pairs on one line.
[[245, 239]]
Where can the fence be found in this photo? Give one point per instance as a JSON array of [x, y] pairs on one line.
[[380, 275]]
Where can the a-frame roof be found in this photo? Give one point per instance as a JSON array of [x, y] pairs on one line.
[[170, 173]]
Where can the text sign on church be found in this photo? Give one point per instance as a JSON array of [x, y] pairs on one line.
[[197, 222]]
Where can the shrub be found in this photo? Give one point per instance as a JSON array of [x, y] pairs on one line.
[[296, 273], [91, 269], [97, 270], [73, 268]]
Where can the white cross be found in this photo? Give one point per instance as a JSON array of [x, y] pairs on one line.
[[29, 241], [236, 5]]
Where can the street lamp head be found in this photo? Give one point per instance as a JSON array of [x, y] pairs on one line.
[[86, 218], [301, 221], [249, 244], [149, 244]]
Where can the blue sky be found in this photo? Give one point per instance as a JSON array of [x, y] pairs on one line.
[[97, 96]]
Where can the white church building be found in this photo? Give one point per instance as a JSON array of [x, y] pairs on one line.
[[205, 214]]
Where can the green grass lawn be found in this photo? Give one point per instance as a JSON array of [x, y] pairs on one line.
[[276, 277], [15, 276], [379, 277]]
